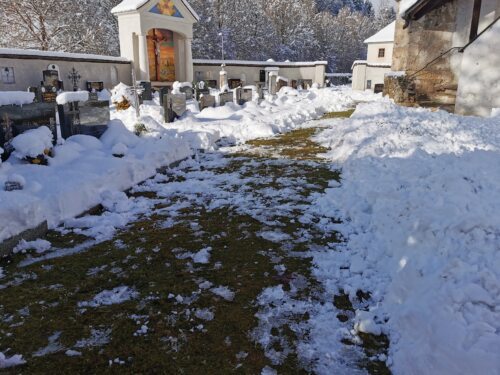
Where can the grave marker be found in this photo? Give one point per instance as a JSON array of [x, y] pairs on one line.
[[188, 91], [207, 101], [226, 97], [174, 106]]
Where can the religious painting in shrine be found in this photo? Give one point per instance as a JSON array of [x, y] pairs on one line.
[[166, 8], [161, 53]]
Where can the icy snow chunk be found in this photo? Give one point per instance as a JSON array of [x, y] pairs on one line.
[[72, 96], [204, 314], [224, 292], [2, 274], [364, 322], [15, 360], [274, 236], [73, 353], [269, 371], [205, 285], [111, 297], [40, 246], [54, 346], [203, 256], [32, 143], [97, 338], [16, 97]]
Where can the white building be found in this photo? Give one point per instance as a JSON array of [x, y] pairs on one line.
[[369, 74], [157, 35]]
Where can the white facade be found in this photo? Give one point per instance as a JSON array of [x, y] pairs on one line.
[[369, 74], [136, 19], [479, 69]]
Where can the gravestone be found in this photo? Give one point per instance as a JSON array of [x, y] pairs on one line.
[[174, 106], [50, 78], [237, 95], [48, 94], [246, 95], [96, 86], [88, 118], [212, 83], [15, 120], [306, 84], [234, 83], [273, 84], [188, 91], [226, 97], [162, 92], [207, 101], [281, 84], [147, 92], [200, 92]]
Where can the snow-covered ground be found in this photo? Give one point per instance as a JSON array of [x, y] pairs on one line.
[[83, 170], [420, 208], [418, 205]]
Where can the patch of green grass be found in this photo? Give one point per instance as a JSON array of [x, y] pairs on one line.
[[342, 114]]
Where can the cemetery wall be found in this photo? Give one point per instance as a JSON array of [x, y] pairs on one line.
[[250, 72], [25, 69]]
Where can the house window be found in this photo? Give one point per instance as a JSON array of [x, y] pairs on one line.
[[369, 84], [8, 77], [381, 52]]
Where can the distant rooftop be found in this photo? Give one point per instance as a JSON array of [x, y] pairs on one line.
[[386, 35]]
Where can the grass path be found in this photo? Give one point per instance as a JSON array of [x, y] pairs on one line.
[[219, 230]]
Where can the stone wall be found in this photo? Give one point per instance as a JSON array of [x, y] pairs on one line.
[[420, 42], [28, 69]]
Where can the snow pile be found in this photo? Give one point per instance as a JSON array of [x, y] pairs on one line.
[[16, 97], [40, 246], [419, 205], [203, 256], [224, 292], [111, 297], [72, 96], [32, 143], [86, 165], [15, 360]]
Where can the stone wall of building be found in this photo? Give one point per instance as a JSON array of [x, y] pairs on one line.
[[420, 42], [428, 51]]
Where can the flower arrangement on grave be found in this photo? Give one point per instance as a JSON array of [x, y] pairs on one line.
[[123, 105]]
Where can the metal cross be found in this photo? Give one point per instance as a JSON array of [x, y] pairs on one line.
[[74, 77]]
